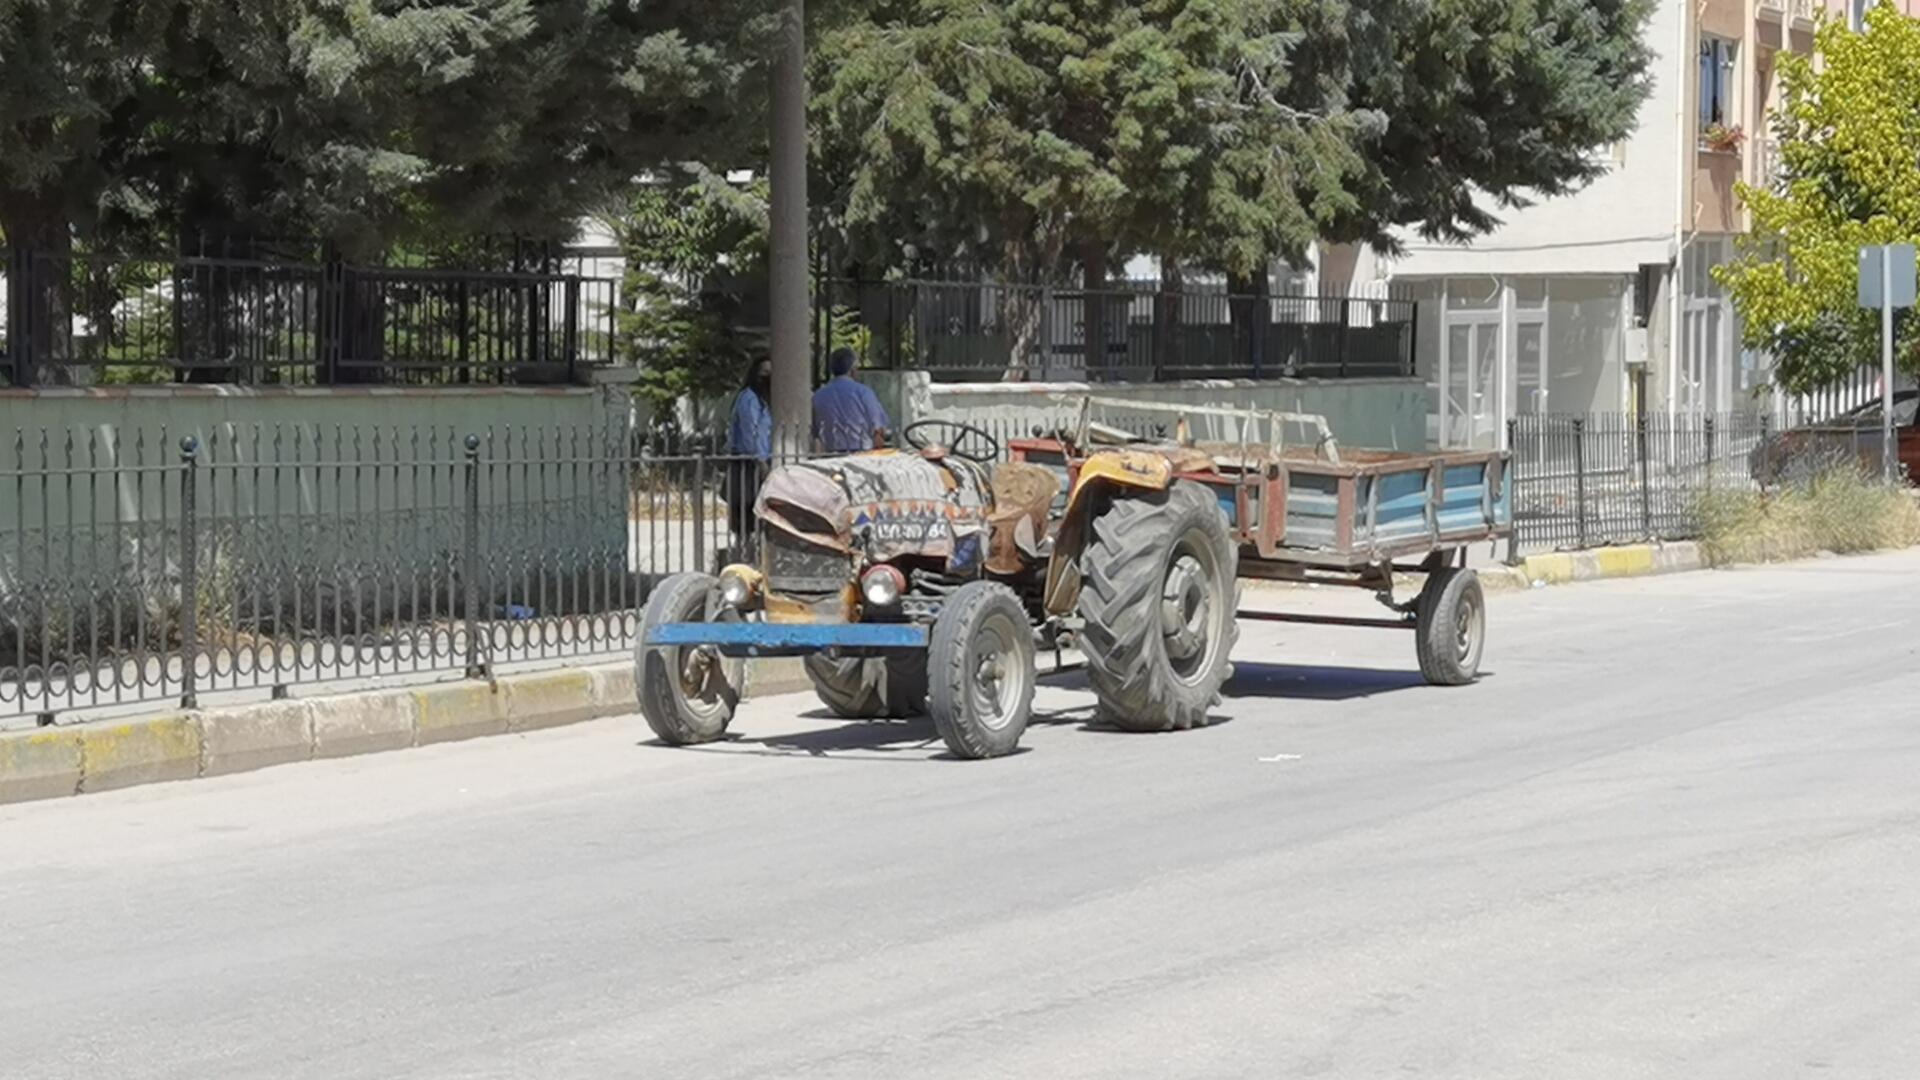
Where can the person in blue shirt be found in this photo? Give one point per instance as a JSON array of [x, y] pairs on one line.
[[749, 448], [847, 415]]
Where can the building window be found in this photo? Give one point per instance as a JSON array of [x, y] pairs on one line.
[[1717, 59]]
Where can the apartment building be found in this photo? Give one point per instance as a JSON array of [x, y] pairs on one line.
[[1604, 300]]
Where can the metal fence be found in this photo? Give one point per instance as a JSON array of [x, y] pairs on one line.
[[967, 331], [87, 318], [1610, 478]]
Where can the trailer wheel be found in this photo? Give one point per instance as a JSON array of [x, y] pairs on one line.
[[1451, 631], [870, 688], [980, 671], [1159, 600], [687, 693]]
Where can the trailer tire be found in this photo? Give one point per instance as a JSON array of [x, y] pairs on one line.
[[980, 668], [686, 699], [870, 688], [1158, 600], [1450, 634]]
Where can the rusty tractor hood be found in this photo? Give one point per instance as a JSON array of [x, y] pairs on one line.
[[883, 505]]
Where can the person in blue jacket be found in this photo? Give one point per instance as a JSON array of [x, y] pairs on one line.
[[847, 414], [749, 449]]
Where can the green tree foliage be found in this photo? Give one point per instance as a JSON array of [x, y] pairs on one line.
[[1013, 134], [1849, 135], [693, 246], [366, 122], [1489, 104], [1215, 131]]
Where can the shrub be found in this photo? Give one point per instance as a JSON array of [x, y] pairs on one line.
[[1839, 509]]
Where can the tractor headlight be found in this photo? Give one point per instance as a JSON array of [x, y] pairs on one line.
[[738, 588], [881, 586]]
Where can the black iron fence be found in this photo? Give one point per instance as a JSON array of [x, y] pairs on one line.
[[83, 319], [1611, 478], [146, 565], [965, 331]]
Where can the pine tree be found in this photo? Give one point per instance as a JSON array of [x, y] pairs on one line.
[[1216, 132]]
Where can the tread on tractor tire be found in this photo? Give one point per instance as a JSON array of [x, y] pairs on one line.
[[686, 699], [1159, 596], [981, 671], [1450, 631], [870, 688]]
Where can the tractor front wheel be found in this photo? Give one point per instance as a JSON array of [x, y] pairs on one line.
[[980, 669], [687, 693]]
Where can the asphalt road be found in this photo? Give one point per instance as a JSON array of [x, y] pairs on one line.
[[1674, 833]]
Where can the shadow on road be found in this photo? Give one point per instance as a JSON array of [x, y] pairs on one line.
[[1312, 682]]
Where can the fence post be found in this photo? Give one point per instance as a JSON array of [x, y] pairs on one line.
[[470, 560], [1709, 430], [1513, 488], [19, 337], [570, 326], [189, 572], [1346, 332], [1580, 480], [1046, 330], [698, 509], [1646, 491], [1762, 450]]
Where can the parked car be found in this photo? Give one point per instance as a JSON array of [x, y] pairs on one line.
[[1852, 436]]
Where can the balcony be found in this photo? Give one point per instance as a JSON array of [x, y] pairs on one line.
[[1803, 11], [1768, 166], [1774, 9]]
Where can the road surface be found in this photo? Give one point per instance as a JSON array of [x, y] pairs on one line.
[[1674, 833]]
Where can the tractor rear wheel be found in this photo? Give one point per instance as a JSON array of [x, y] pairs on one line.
[[870, 688], [1158, 599]]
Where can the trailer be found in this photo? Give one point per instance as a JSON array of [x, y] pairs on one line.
[[1311, 512]]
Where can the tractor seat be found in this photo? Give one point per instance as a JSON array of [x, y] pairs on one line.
[[1023, 495]]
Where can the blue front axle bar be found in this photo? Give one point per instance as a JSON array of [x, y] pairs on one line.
[[788, 639]]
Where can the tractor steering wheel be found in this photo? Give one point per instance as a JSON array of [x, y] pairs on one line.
[[962, 432]]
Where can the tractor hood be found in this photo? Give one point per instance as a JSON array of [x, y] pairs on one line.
[[884, 504]]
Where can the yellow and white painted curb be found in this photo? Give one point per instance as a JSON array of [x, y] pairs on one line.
[[1600, 564], [83, 758]]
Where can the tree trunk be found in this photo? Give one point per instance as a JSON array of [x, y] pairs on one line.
[[1248, 307], [1094, 306], [40, 304], [1166, 315]]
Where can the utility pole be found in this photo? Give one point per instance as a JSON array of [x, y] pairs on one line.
[[787, 242]]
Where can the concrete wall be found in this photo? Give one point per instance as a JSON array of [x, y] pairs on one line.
[[1380, 413], [331, 499]]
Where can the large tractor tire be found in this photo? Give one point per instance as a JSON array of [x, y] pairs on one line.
[[980, 671], [870, 688], [1450, 629], [687, 694], [1158, 598]]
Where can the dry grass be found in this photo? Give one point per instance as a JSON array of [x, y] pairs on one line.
[[1840, 509]]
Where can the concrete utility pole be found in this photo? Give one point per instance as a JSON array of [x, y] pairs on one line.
[[787, 257]]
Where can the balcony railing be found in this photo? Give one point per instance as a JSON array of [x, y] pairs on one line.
[[1802, 10], [1768, 166], [1774, 8]]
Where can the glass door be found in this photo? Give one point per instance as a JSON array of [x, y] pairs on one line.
[[1531, 374], [1470, 415]]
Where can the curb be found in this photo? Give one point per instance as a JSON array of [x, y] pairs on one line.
[[52, 762], [1600, 564]]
